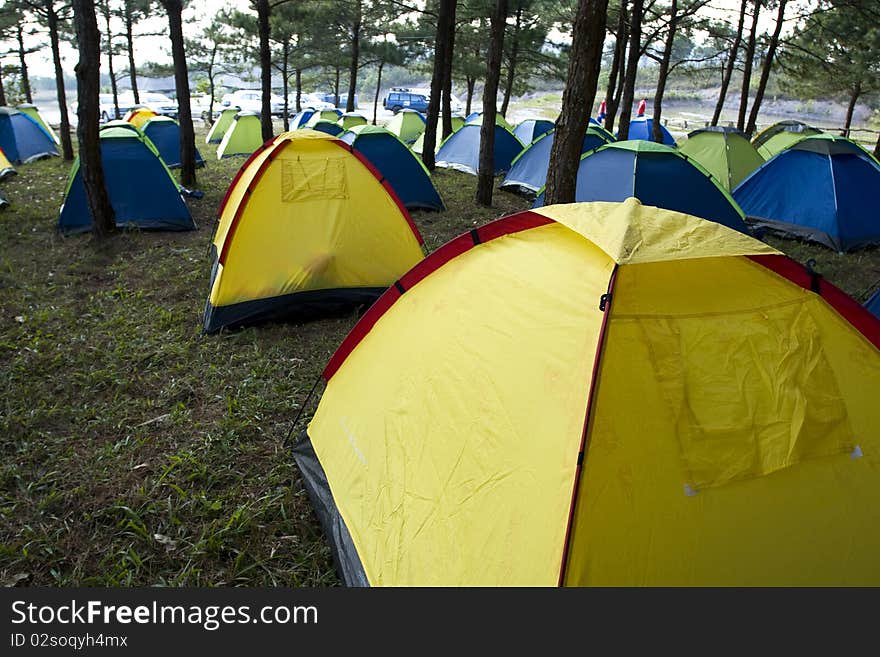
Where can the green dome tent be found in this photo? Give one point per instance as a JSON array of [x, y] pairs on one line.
[[726, 153], [243, 137], [780, 136], [221, 125]]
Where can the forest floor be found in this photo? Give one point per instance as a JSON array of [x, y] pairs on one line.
[[138, 451]]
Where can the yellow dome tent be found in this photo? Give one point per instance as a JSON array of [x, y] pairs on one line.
[[137, 116], [243, 137], [6, 168], [308, 225], [602, 394]]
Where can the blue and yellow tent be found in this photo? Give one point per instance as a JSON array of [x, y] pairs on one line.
[[461, 149], [817, 189], [22, 139], [528, 172], [164, 132], [142, 191], [397, 164], [307, 227], [657, 175], [602, 394]]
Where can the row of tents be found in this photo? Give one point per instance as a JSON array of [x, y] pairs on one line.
[[700, 402]]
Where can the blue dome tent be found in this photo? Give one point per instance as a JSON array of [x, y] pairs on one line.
[[142, 191], [529, 130], [528, 172], [656, 175], [818, 189], [461, 149], [164, 132], [642, 127], [397, 164], [23, 139]]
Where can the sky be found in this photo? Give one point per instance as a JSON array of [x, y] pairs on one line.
[[157, 49]]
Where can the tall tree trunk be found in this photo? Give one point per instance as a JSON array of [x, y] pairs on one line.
[[731, 63], [765, 70], [877, 148], [129, 38], [632, 67], [850, 108], [446, 12], [174, 8], [663, 73], [211, 86], [512, 61], [299, 88], [64, 128], [486, 173], [585, 59], [378, 91], [105, 10], [2, 89], [285, 62], [355, 58], [447, 77], [747, 68], [336, 89], [265, 68], [471, 82], [25, 79], [611, 99], [87, 129]]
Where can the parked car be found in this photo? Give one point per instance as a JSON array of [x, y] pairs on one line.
[[403, 98], [252, 99], [313, 100], [159, 103]]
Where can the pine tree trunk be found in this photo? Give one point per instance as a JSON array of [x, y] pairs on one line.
[[64, 127], [663, 73], [447, 76], [470, 95], [747, 68], [25, 79], [105, 9], [265, 68], [486, 173], [355, 59], [2, 89], [851, 107], [299, 88], [285, 63], [512, 61], [336, 89], [877, 148], [765, 71], [174, 8], [585, 59], [632, 68], [87, 130], [445, 17], [129, 38], [611, 99], [378, 91], [731, 63]]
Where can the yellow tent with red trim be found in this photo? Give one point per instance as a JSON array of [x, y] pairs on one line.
[[307, 226], [139, 115], [602, 394]]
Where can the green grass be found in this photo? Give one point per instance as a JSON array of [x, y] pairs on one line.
[[138, 451]]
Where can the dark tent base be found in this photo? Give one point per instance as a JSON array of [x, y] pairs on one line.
[[307, 305], [348, 564], [135, 225], [807, 233]]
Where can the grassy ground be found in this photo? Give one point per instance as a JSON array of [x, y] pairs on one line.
[[138, 451]]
